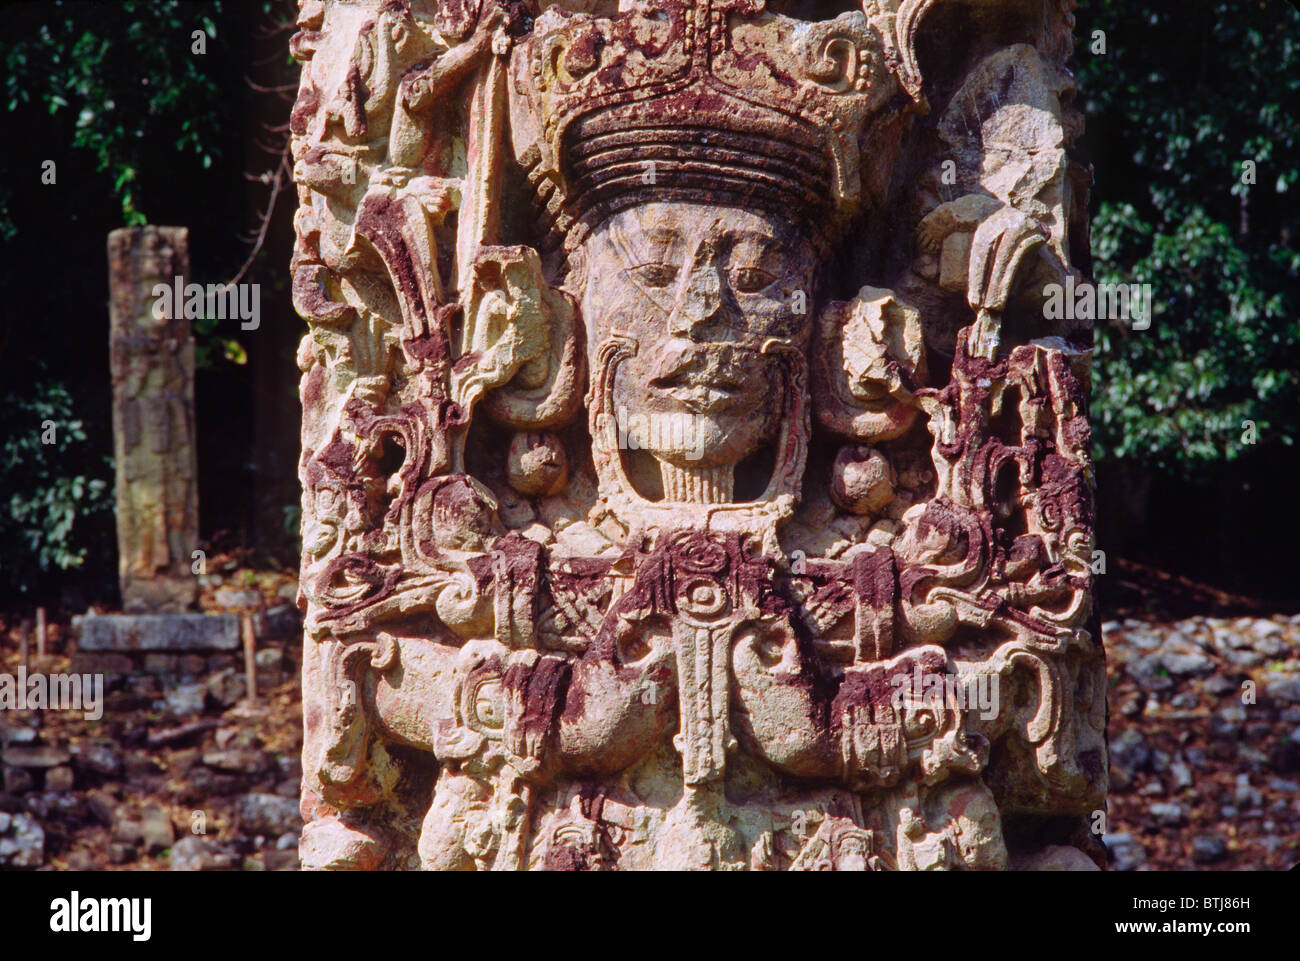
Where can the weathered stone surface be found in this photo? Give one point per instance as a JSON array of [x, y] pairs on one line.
[[1285, 688], [239, 760], [227, 687], [156, 830], [187, 700], [99, 759], [59, 779], [152, 357], [329, 844], [34, 756], [579, 286], [18, 780], [1126, 854], [22, 842], [109, 664], [157, 632], [268, 814], [199, 854], [1057, 858], [17, 734], [1207, 849], [236, 599]]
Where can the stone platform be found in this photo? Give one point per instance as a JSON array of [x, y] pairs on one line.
[[157, 632], [172, 647]]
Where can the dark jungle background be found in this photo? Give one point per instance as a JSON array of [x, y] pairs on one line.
[[1187, 91]]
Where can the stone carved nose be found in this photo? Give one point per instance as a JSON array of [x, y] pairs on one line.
[[699, 303]]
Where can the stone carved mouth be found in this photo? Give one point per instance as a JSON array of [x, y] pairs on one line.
[[705, 378], [701, 398], [680, 372]]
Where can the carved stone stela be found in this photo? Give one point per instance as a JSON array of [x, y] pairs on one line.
[[691, 478], [152, 356]]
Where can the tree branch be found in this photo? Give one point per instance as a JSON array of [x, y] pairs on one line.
[[277, 184]]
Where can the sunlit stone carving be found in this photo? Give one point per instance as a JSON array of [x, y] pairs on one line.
[[152, 358], [690, 476]]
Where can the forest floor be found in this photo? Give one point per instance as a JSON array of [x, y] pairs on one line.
[[1204, 735]]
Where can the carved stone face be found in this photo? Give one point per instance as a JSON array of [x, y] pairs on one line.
[[702, 290]]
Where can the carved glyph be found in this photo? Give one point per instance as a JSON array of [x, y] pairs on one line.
[[690, 478]]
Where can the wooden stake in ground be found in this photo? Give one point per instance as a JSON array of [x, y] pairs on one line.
[[250, 655], [40, 632], [24, 635]]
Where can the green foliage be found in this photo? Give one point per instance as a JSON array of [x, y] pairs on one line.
[[51, 499], [126, 74], [122, 83], [1220, 350], [1184, 96]]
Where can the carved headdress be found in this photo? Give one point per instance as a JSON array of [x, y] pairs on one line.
[[718, 101]]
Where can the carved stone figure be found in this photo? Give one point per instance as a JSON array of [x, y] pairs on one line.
[[152, 358], [690, 476]]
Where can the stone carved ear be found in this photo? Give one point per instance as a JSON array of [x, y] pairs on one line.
[[868, 358], [507, 322], [547, 391], [520, 349], [348, 724]]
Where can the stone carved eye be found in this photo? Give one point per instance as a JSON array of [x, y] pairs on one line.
[[655, 275], [701, 597], [750, 279]]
